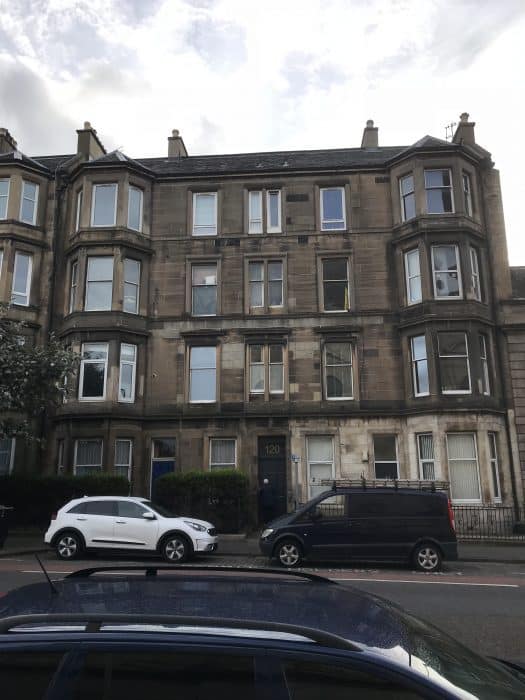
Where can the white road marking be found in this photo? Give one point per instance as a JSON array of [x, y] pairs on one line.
[[439, 583]]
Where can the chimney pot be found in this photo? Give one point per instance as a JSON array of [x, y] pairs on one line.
[[175, 132], [465, 130], [87, 125], [370, 124], [464, 117], [176, 147]]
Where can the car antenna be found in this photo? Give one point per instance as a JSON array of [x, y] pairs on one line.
[[54, 589]]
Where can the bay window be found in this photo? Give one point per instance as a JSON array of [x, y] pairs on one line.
[[418, 349], [474, 272], [104, 205], [29, 202], [21, 289], [446, 272], [426, 459], [99, 284], [463, 468], [128, 368], [467, 193], [131, 286], [135, 200], [88, 457], [123, 458], [93, 372], [4, 197], [454, 363], [484, 360], [413, 277], [438, 187], [408, 197], [73, 287]]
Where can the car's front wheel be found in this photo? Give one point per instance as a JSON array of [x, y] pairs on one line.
[[427, 557], [289, 553], [68, 546], [175, 549]]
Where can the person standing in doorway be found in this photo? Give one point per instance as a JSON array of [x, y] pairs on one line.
[[266, 502]]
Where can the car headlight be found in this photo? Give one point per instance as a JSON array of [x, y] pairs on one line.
[[195, 526], [266, 533]]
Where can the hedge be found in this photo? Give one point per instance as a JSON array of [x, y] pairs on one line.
[[35, 498], [219, 496]]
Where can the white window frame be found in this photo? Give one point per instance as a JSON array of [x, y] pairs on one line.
[[194, 230], [133, 284], [415, 363], [262, 363], [101, 441], [441, 187], [343, 205], [324, 281], [351, 365], [105, 281], [494, 467], [73, 287], [265, 283], [386, 461], [133, 365], [467, 356], [6, 196], [465, 501], [404, 196], [141, 208], [266, 364], [409, 277], [255, 224], [35, 201], [484, 361], [190, 371], [11, 459], [269, 227], [27, 290], [309, 462], [425, 460], [466, 184], [93, 200], [194, 286], [78, 213], [130, 459], [434, 271], [281, 364], [220, 465], [84, 362], [474, 273]]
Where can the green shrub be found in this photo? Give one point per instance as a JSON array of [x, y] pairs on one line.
[[219, 496], [35, 498]]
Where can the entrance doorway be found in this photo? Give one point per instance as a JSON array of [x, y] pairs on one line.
[[271, 460], [162, 459]]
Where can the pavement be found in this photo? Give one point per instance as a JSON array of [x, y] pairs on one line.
[[25, 542]]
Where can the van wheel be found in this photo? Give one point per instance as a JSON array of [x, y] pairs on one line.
[[427, 557], [289, 553], [68, 546]]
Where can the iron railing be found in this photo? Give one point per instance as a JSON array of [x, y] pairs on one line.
[[491, 522]]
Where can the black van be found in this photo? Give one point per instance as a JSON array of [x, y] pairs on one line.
[[379, 524]]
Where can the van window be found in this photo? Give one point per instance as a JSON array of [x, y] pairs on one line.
[[396, 504], [27, 674]]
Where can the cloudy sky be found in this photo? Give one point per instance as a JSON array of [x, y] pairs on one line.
[[241, 75]]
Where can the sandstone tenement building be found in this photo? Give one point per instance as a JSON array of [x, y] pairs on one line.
[[300, 315]]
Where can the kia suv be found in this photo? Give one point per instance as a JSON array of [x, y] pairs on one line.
[[127, 523]]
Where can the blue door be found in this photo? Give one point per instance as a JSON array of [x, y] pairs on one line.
[[159, 467]]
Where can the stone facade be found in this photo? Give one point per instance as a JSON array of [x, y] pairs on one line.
[[298, 315]]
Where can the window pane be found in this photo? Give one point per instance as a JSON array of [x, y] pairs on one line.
[[439, 201], [407, 184], [204, 274], [338, 353], [257, 378], [423, 383], [412, 259], [94, 351], [126, 381], [4, 194], [273, 210], [335, 296], [276, 353], [275, 271], [333, 205], [21, 279], [223, 452], [256, 271], [89, 452], [437, 178], [415, 293], [320, 449], [385, 447], [100, 269], [98, 296], [256, 353], [93, 384], [426, 446], [203, 358], [204, 301], [335, 269], [419, 349], [454, 374], [255, 224], [128, 509], [135, 209], [164, 448], [386, 470], [131, 270], [276, 378], [6, 446], [275, 293], [104, 208], [339, 382], [123, 452], [463, 466], [452, 344], [130, 298], [204, 215], [202, 385], [128, 352], [28, 211], [256, 294]]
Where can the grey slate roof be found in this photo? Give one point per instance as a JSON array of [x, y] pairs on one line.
[[517, 276]]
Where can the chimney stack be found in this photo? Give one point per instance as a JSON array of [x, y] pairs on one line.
[[176, 147], [89, 145], [7, 142], [465, 131], [370, 135]]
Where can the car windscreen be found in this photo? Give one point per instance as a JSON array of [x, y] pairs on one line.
[[160, 509], [440, 657]]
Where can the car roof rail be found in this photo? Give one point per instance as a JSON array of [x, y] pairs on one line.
[[94, 621], [154, 569]]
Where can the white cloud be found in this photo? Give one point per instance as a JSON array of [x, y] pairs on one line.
[[238, 76]]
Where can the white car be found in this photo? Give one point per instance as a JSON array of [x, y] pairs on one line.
[[127, 523]]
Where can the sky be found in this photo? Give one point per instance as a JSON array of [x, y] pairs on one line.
[[239, 76]]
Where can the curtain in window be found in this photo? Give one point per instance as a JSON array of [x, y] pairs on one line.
[[122, 452], [222, 453], [89, 452], [463, 467]]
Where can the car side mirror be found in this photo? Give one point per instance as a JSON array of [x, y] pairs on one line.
[[148, 516]]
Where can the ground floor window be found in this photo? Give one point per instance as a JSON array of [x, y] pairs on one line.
[[123, 455], [425, 448], [463, 467], [386, 463], [494, 467], [320, 451], [88, 457], [223, 453], [7, 455]]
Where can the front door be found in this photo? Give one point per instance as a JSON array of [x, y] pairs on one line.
[[162, 459], [271, 457]]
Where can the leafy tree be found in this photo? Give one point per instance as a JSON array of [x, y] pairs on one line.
[[32, 377]]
